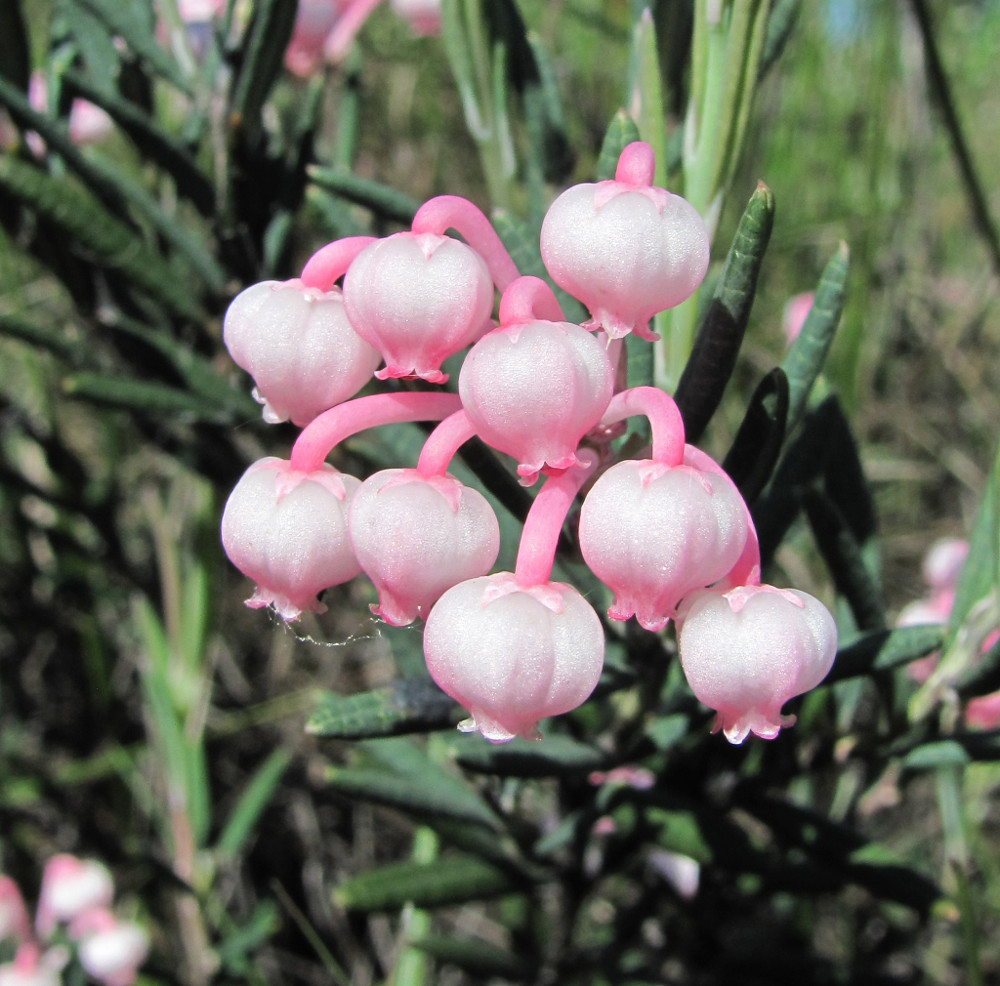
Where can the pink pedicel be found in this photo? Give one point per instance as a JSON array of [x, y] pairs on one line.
[[416, 536], [625, 248], [533, 388], [748, 651], [287, 530], [110, 950], [418, 298], [71, 886], [513, 655], [299, 346], [15, 925], [654, 533]]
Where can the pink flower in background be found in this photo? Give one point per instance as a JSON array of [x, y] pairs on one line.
[[14, 922], [32, 967], [110, 950], [796, 310], [71, 886], [88, 124]]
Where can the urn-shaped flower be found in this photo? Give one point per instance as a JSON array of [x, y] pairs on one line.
[[417, 536], [418, 298], [299, 347], [625, 248], [748, 651], [533, 389], [653, 533], [287, 530], [513, 655]]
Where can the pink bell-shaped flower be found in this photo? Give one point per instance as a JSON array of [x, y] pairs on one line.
[[653, 533], [32, 967], [748, 651], [513, 654], [416, 536], [418, 298], [625, 248], [287, 530], [71, 886], [299, 347], [534, 388], [14, 922]]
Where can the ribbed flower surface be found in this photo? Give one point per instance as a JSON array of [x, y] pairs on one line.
[[287, 531], [654, 533], [416, 537], [299, 347], [534, 389], [748, 651], [626, 252], [513, 655], [418, 298]]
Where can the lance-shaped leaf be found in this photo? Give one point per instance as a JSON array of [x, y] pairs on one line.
[[400, 774], [451, 879], [980, 575], [757, 446], [252, 802], [265, 42], [155, 399], [385, 201], [408, 705], [884, 650], [781, 20], [805, 357], [133, 23], [844, 558], [721, 334], [97, 234], [14, 52], [555, 756], [645, 91], [984, 676], [43, 336], [480, 959], [621, 132]]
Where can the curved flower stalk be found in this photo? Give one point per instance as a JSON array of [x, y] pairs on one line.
[[515, 647], [625, 248], [747, 651]]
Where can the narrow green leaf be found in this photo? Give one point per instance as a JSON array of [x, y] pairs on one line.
[[754, 453], [251, 804], [476, 957], [133, 23], [933, 756], [384, 200], [554, 756], [721, 334], [407, 705], [980, 575], [198, 795], [265, 41], [98, 235], [876, 869], [845, 560], [449, 880], [781, 20], [14, 52], [646, 93], [984, 676], [138, 395], [233, 950], [884, 650], [805, 357], [621, 132], [42, 336], [412, 795]]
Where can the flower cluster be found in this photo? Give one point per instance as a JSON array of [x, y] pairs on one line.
[[669, 533], [73, 918]]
